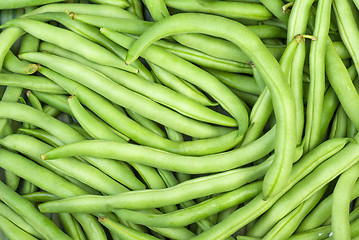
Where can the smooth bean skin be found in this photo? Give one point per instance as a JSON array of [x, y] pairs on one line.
[[194, 213], [71, 226], [118, 3], [125, 97], [91, 33], [9, 4], [93, 126], [341, 203], [18, 220], [228, 9], [12, 231], [154, 198], [151, 90], [350, 99], [283, 102], [13, 64], [70, 41], [40, 84], [123, 231], [160, 159], [40, 197], [258, 206], [136, 132], [181, 86], [287, 225], [8, 37], [95, 9], [317, 76], [186, 70], [42, 224]]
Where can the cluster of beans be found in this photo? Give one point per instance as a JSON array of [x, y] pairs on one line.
[[179, 119]]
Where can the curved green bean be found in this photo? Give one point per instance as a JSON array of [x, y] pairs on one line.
[[194, 213], [70, 41], [283, 102], [8, 36], [152, 198], [341, 203], [166, 160], [139, 134], [317, 76], [24, 208], [235, 10], [12, 231], [151, 90], [13, 64], [95, 9], [11, 215], [37, 83], [125, 97]]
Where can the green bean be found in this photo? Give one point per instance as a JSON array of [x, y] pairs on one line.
[[341, 50], [339, 124], [18, 143], [152, 90], [42, 135], [30, 82], [127, 98], [341, 201], [136, 8], [347, 28], [95, 9], [12, 231], [330, 105], [123, 231], [334, 67], [57, 101], [34, 101], [194, 213], [276, 8], [117, 3], [70, 41], [238, 81], [280, 170], [160, 159], [125, 25], [193, 74], [227, 9], [190, 189], [29, 43], [27, 187], [9, 4], [136, 132], [40, 197], [8, 37], [50, 181], [315, 234], [307, 164], [25, 209], [91, 124], [71, 226], [13, 64], [51, 111], [145, 122], [205, 60], [181, 86], [12, 216], [317, 76], [157, 8], [92, 34], [287, 225]]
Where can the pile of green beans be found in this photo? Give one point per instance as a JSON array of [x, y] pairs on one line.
[[179, 119]]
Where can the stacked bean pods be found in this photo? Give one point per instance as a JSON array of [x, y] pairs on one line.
[[179, 119]]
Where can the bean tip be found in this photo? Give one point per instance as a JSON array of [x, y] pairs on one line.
[[43, 157]]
